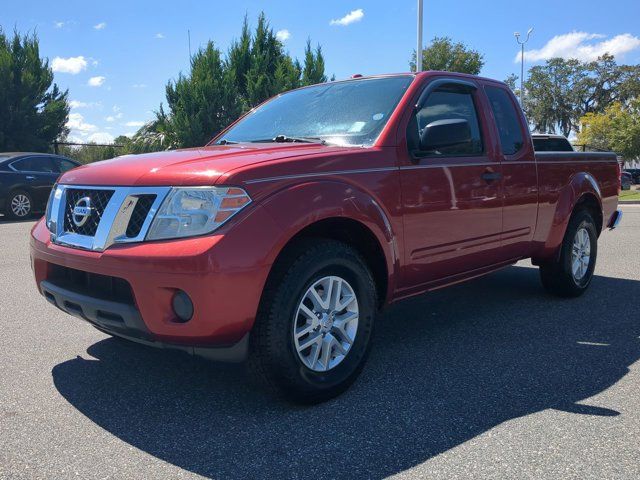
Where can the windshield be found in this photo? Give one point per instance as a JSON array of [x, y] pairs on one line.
[[352, 112]]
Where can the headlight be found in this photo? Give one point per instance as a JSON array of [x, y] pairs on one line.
[[55, 194], [193, 211]]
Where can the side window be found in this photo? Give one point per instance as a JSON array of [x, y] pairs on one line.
[[63, 164], [507, 120], [34, 164], [446, 105]]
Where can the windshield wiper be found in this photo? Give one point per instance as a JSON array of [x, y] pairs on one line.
[[224, 141], [287, 139]]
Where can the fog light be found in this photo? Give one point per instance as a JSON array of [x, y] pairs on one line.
[[182, 306]]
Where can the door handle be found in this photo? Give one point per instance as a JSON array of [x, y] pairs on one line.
[[490, 176], [30, 177]]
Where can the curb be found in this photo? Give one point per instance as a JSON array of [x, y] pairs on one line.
[[630, 202]]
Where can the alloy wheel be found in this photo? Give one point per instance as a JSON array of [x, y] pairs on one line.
[[20, 205], [326, 323], [580, 254]]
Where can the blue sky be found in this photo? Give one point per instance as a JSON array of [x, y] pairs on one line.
[[115, 57]]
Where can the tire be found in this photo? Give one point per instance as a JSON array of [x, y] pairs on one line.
[[276, 358], [561, 277], [19, 205]]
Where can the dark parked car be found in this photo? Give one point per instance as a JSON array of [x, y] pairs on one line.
[[626, 180], [551, 143], [26, 180], [635, 173]]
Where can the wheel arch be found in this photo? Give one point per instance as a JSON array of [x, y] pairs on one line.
[[342, 212], [354, 234], [582, 192]]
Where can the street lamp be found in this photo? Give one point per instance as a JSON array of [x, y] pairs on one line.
[[517, 35], [419, 47]]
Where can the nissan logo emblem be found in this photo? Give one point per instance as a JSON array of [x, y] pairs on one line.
[[82, 211]]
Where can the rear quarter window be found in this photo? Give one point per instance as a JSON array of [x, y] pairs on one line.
[[507, 120]]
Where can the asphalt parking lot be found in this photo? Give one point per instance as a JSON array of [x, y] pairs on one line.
[[491, 379]]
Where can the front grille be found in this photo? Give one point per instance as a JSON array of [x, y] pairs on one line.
[[139, 215], [99, 200], [104, 287]]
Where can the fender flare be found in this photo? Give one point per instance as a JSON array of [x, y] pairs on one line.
[[299, 206], [581, 186]]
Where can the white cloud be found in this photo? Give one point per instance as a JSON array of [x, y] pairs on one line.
[[59, 24], [134, 124], [113, 118], [159, 35], [349, 18], [580, 45], [79, 104], [96, 81], [139, 85], [100, 137], [72, 65], [77, 124], [283, 35], [100, 26]]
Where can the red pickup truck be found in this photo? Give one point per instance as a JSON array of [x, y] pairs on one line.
[[280, 240]]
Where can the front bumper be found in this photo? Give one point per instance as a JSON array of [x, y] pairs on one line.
[[125, 321], [224, 274]]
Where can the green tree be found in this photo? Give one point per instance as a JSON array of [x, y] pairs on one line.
[[238, 60], [201, 103], [560, 92], [266, 55], [617, 129], [511, 82], [90, 152], [217, 90], [552, 96], [287, 75], [313, 71], [33, 110], [446, 55]]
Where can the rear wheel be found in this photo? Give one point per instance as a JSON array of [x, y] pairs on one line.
[[314, 328], [571, 274], [19, 205]]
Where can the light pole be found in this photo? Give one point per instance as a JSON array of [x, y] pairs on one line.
[[419, 46], [517, 35]]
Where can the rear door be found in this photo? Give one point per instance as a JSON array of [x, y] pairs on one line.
[[452, 197], [519, 170], [38, 174]]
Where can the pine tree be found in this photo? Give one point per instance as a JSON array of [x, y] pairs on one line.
[[218, 90], [313, 65], [33, 110]]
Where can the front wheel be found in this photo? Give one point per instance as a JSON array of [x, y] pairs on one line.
[[19, 205], [314, 328], [571, 274]]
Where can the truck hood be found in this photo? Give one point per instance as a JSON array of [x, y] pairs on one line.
[[196, 166]]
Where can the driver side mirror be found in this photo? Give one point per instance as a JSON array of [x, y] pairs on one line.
[[445, 133]]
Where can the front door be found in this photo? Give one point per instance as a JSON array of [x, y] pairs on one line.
[[452, 196], [520, 174]]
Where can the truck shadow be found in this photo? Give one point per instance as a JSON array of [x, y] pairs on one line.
[[444, 369]]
